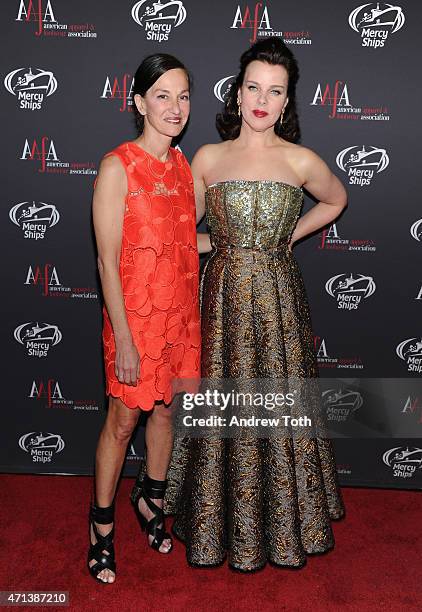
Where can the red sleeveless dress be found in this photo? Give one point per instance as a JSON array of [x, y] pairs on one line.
[[159, 268]]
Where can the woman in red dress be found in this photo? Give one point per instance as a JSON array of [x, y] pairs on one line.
[[144, 220]]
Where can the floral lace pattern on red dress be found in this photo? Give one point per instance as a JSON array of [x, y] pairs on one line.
[[159, 269]]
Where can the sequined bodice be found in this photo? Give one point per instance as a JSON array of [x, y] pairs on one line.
[[252, 214]]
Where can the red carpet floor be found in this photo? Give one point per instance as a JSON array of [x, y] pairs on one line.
[[376, 564]]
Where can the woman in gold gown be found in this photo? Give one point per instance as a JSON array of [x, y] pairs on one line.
[[254, 498]]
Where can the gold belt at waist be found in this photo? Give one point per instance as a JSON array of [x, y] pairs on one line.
[[227, 248]]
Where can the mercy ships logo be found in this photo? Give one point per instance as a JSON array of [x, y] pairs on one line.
[[350, 290], [410, 351], [37, 338], [405, 461], [158, 18], [361, 164], [30, 86], [34, 219], [375, 24]]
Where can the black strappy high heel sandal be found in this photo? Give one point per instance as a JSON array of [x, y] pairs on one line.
[[148, 489], [103, 516]]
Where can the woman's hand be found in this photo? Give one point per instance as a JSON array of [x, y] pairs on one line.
[[293, 240], [127, 364], [203, 242]]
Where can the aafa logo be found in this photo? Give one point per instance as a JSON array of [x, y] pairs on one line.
[[325, 360], [30, 87], [132, 454], [362, 163], [254, 20], [44, 152], [349, 291], [34, 219], [45, 276], [37, 338], [49, 391], [376, 23], [410, 351], [404, 460], [413, 407], [331, 240], [336, 97], [158, 18], [119, 89], [320, 347], [50, 394], [41, 446], [42, 13], [416, 230]]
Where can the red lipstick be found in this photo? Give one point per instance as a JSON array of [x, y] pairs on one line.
[[259, 113]]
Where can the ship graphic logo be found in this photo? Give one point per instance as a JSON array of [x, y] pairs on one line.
[[410, 348], [48, 441], [30, 80], [359, 284], [342, 398], [172, 11], [390, 16], [369, 157], [24, 212], [416, 230], [37, 332], [222, 87], [407, 455]]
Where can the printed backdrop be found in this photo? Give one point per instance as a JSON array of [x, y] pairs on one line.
[[67, 72]]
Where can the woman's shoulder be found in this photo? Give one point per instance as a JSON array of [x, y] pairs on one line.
[[208, 154], [120, 148], [120, 151], [300, 151], [211, 149], [302, 156], [115, 161]]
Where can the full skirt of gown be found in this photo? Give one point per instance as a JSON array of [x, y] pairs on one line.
[[253, 499]]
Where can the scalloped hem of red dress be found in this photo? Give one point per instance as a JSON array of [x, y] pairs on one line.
[[137, 406]]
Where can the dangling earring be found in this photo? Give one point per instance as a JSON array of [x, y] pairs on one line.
[[239, 112], [281, 118]]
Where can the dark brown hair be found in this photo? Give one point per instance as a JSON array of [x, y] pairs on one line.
[[150, 70], [273, 51]]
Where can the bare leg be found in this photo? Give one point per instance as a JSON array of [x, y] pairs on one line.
[[159, 444], [111, 453]]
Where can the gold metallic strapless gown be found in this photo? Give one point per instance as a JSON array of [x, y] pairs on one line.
[[254, 500]]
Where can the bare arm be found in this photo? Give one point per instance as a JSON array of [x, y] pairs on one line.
[[203, 242], [108, 212], [198, 167], [325, 187]]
